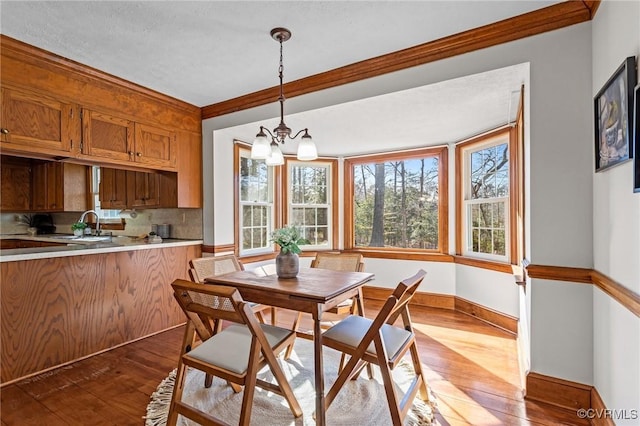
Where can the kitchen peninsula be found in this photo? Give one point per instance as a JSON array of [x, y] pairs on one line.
[[64, 303]]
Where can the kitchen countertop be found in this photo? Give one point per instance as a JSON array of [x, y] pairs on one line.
[[82, 246]]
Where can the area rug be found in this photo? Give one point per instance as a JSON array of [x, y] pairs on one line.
[[360, 402]]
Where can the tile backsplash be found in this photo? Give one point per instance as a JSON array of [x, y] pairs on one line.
[[185, 223]]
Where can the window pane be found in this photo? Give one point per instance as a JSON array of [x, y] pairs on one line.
[[485, 243], [499, 243], [396, 204], [310, 198], [255, 203], [489, 172]]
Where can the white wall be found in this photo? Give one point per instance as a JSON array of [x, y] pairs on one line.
[[616, 228], [558, 180]]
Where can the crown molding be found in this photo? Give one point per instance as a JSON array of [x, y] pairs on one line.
[[550, 18]]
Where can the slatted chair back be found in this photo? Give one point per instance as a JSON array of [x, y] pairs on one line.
[[214, 265], [339, 261], [380, 342], [235, 353]]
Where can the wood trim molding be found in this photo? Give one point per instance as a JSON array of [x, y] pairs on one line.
[[223, 248], [627, 298], [599, 417], [484, 264], [430, 300], [448, 301], [402, 255], [488, 315], [35, 55], [537, 22], [560, 273], [559, 392]]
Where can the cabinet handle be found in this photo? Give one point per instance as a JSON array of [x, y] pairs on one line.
[[130, 153], [4, 131], [139, 154]]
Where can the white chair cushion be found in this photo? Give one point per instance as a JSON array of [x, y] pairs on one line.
[[352, 329], [230, 348]]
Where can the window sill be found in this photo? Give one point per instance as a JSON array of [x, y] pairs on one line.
[[403, 255], [484, 264]]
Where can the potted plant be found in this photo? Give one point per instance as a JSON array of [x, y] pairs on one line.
[[289, 239], [78, 228]]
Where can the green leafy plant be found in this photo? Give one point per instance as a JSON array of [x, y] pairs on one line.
[[78, 225], [289, 239]]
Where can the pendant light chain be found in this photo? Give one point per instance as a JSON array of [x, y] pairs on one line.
[[269, 151]]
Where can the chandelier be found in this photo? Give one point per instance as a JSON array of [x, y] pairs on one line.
[[262, 148]]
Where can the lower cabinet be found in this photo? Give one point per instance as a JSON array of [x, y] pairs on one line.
[[62, 309]]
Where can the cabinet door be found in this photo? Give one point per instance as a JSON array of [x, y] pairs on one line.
[[155, 147], [47, 186], [34, 123], [113, 188], [106, 136], [54, 186], [15, 185], [143, 189], [39, 186]]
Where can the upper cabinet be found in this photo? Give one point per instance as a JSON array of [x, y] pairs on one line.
[[106, 136], [15, 184], [57, 109], [43, 186], [155, 147], [58, 187], [123, 141], [36, 123]]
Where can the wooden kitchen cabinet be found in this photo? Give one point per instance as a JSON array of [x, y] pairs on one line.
[[36, 123], [155, 147], [107, 137], [143, 190], [15, 184], [125, 189], [57, 187], [125, 142], [113, 188]]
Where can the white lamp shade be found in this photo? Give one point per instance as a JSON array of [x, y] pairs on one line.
[[307, 150], [260, 149], [276, 158]]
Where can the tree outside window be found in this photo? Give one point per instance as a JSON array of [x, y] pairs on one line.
[[397, 202], [309, 194], [486, 169]]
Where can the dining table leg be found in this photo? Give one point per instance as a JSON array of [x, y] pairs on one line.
[[319, 371]]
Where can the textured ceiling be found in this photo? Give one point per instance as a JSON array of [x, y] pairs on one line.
[[207, 52]]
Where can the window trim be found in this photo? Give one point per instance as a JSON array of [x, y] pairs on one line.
[[443, 198], [514, 237], [238, 148], [333, 201]]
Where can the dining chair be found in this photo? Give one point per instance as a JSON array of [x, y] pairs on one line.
[[203, 267], [235, 353], [349, 262], [378, 341]]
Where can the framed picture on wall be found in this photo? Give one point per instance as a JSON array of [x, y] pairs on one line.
[[613, 112], [636, 138]]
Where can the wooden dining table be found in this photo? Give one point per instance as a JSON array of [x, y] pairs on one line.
[[314, 291]]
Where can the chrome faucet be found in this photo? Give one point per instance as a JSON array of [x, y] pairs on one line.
[[97, 219]]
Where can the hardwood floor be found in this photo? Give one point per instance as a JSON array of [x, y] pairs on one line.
[[472, 368]]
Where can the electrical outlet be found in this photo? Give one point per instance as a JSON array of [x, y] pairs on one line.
[[184, 217]]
